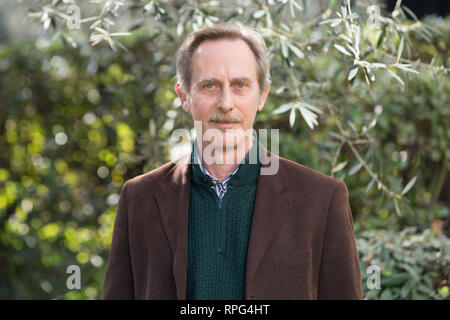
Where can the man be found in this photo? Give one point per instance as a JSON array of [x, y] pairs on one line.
[[212, 226]]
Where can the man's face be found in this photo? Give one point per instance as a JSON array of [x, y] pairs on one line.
[[224, 92]]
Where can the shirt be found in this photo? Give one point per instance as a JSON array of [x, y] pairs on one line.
[[219, 187]]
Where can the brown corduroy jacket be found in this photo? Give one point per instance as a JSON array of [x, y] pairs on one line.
[[301, 244]]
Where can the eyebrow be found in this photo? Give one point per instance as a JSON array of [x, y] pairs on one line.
[[215, 80]]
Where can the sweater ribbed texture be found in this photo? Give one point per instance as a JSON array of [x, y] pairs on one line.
[[218, 235]]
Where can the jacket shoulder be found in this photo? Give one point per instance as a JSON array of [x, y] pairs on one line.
[[152, 178], [295, 173], [309, 187]]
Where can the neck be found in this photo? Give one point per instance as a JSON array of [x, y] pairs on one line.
[[225, 160]]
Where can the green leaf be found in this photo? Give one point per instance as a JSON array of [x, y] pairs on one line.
[[369, 186], [400, 50], [180, 29], [434, 59], [337, 136], [386, 295], [414, 274], [258, 14], [311, 107], [396, 76], [334, 22], [296, 50], [396, 280], [292, 117], [370, 74], [366, 77], [309, 116], [342, 49], [339, 167], [406, 289], [355, 169], [283, 108], [405, 67], [292, 4], [353, 50], [386, 272], [381, 37], [284, 49], [352, 126], [444, 292], [343, 36], [409, 185], [70, 40], [344, 11], [352, 73], [410, 12], [397, 208], [298, 6]]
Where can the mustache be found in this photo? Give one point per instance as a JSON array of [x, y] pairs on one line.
[[221, 117]]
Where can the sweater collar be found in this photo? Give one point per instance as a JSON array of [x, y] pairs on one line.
[[247, 171]]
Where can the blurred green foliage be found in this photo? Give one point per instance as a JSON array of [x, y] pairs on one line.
[[413, 265], [77, 122], [66, 150]]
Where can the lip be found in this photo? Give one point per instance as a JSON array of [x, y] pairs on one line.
[[224, 125]]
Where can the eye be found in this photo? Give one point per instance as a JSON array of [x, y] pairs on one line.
[[208, 86], [240, 85]]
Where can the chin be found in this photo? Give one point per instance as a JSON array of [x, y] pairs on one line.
[[225, 144], [226, 140]]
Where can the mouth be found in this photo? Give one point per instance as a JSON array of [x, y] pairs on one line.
[[224, 125]]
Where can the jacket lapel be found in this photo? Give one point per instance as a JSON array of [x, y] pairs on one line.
[[269, 212], [173, 203]]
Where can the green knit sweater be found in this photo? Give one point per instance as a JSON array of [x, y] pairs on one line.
[[218, 236]]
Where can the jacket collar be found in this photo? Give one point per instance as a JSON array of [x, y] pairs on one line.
[[271, 206]]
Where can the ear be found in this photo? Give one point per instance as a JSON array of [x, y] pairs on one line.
[[183, 97], [263, 97]]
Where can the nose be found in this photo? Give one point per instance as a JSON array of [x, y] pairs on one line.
[[226, 100]]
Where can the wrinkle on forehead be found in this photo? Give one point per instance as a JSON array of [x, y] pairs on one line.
[[225, 58]]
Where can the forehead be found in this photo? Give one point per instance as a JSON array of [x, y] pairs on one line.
[[223, 58]]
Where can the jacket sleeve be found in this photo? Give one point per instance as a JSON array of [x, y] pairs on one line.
[[340, 275], [118, 283]]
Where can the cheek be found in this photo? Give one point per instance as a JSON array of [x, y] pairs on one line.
[[248, 107], [202, 101], [202, 110]]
